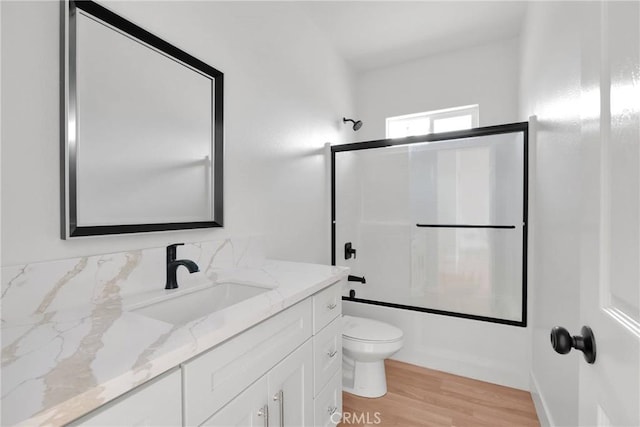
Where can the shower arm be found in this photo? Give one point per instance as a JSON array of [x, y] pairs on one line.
[[357, 124]]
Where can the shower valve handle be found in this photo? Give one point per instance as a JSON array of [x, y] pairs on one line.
[[349, 251]]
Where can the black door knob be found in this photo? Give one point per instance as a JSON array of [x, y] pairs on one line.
[[562, 342]]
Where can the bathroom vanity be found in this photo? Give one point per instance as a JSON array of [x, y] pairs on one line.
[[272, 359], [283, 371]]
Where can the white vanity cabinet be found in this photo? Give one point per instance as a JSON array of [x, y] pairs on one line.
[[327, 355], [328, 403], [291, 389], [155, 403], [280, 398], [303, 389], [212, 379], [248, 409], [282, 372], [327, 305]]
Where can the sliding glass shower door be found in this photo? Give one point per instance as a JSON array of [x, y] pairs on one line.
[[438, 222]]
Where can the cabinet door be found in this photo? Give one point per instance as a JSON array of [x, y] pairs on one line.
[[156, 403], [327, 354], [215, 377], [328, 404], [249, 409], [291, 389]]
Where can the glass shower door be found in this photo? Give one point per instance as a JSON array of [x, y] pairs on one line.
[[438, 226]]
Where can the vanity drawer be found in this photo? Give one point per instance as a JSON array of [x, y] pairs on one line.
[[214, 378], [327, 305], [327, 354], [328, 405]]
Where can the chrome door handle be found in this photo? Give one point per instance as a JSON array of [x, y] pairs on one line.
[[264, 413], [279, 397], [332, 353], [332, 306]]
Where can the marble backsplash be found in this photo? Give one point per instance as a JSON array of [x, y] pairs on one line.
[[40, 288]]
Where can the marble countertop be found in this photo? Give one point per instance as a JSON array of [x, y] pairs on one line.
[[60, 365]]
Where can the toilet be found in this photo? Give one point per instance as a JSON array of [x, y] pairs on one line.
[[365, 345]]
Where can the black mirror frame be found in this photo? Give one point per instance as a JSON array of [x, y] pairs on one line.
[[69, 226]]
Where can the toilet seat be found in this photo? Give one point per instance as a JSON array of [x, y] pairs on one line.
[[359, 329], [370, 342]]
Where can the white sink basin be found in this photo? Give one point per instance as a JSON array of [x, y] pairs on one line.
[[192, 305]]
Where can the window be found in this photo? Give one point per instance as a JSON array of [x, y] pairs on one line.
[[433, 121]]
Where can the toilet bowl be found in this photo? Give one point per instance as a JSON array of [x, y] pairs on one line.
[[365, 345]]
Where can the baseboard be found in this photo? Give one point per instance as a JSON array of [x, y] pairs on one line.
[[457, 363], [538, 400]]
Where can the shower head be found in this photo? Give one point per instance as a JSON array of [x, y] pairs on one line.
[[356, 124]]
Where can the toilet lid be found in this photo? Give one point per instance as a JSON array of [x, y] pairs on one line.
[[363, 329]]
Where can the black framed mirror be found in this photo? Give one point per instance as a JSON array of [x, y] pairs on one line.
[[143, 130]]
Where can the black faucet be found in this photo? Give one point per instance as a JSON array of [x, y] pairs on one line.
[[357, 279], [173, 264]]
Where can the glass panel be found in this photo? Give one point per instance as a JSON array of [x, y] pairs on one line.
[[399, 128], [383, 194], [472, 271], [453, 123], [475, 181]]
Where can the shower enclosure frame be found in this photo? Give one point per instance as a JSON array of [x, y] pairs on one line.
[[444, 136]]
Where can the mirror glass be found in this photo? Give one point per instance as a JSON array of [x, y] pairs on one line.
[[144, 130]]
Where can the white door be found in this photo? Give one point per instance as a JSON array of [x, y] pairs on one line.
[[291, 389], [610, 273], [249, 409]]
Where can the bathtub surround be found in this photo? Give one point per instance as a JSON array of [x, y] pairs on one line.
[[71, 344]]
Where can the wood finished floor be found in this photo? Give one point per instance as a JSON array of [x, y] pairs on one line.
[[419, 396]]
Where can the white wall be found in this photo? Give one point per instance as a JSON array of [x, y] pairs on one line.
[[286, 92], [484, 351], [486, 75], [551, 89]]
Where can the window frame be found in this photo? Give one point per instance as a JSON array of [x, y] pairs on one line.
[[473, 110]]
